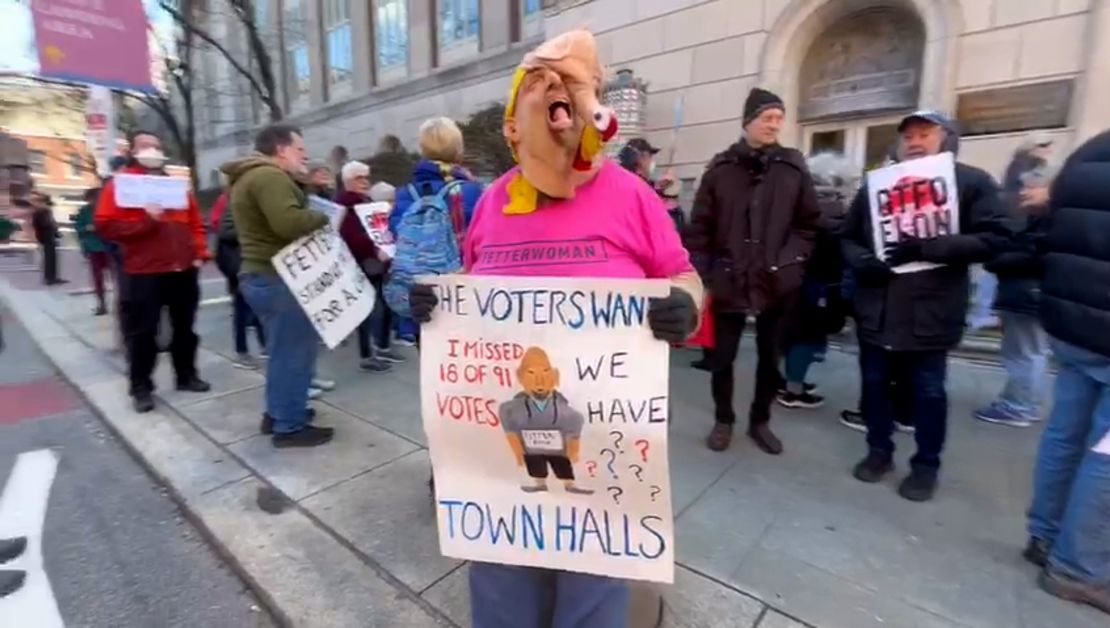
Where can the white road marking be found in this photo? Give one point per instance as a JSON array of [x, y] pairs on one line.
[[23, 513]]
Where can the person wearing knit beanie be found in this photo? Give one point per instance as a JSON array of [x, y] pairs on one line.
[[763, 117]]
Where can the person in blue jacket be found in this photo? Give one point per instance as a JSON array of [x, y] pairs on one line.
[[441, 152]]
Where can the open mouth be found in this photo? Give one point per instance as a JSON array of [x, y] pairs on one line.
[[559, 115]]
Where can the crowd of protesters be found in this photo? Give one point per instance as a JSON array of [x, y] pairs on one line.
[[775, 237]]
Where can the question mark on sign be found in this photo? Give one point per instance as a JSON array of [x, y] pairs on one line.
[[616, 492], [612, 459], [638, 470], [643, 445], [591, 466], [655, 490], [618, 438]]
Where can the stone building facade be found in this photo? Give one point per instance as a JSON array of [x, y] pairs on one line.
[[847, 69]]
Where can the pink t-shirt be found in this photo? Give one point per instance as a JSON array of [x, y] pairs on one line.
[[615, 227]]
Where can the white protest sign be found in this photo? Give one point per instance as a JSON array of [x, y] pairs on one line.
[[375, 219], [334, 211], [913, 199], [141, 190], [545, 404], [331, 288]]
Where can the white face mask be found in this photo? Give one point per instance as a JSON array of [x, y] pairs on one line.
[[651, 170], [150, 158]]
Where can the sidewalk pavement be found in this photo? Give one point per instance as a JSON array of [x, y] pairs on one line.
[[761, 541]]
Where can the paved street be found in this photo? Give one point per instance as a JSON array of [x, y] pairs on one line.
[[761, 541], [115, 549]]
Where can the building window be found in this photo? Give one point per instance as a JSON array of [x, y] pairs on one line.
[[36, 162], [76, 166], [531, 14], [297, 66], [392, 35], [337, 26], [458, 29], [262, 14]]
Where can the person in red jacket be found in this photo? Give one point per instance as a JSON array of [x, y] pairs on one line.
[[162, 249]]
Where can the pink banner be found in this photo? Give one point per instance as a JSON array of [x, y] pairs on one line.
[[103, 42]]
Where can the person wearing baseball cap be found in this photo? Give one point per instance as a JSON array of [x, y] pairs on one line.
[[638, 156], [752, 228], [908, 322]]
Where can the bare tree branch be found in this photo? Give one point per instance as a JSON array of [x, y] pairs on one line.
[[265, 84]]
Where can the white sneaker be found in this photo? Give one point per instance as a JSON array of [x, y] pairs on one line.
[[314, 393], [325, 385]]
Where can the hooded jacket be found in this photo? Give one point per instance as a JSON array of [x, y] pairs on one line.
[[753, 226], [269, 211], [1075, 298], [170, 243]]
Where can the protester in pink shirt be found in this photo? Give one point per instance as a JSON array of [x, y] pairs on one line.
[[566, 212]]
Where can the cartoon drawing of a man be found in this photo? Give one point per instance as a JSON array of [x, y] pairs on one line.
[[541, 427]]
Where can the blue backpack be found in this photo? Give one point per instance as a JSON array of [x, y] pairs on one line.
[[428, 243]]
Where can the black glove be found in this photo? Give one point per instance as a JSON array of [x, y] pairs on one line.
[[871, 269], [904, 252], [422, 301], [674, 317]]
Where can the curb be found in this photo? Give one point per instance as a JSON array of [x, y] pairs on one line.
[[175, 452]]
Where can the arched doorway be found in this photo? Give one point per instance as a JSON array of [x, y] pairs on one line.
[[856, 80], [849, 69]]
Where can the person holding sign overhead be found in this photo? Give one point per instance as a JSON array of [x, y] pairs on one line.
[[910, 244], [163, 247], [271, 212], [564, 212]]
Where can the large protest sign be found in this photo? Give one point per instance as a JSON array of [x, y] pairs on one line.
[[141, 190], [375, 219], [913, 199], [545, 404], [323, 276]]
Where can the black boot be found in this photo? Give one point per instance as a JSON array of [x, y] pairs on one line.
[[142, 401], [194, 384], [919, 486], [872, 468], [267, 425]]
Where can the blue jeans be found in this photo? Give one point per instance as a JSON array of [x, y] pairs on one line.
[[924, 372], [1071, 484], [799, 357], [1025, 357], [292, 342], [986, 287], [378, 327], [241, 318], [509, 596]]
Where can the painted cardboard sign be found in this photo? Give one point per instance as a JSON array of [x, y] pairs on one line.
[[545, 403]]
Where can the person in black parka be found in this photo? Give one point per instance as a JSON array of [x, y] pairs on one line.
[[1067, 523], [911, 321]]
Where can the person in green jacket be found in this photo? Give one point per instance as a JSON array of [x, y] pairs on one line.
[[270, 212], [95, 249]]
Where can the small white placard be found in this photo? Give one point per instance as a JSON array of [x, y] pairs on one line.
[[334, 211], [142, 190], [375, 219]]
